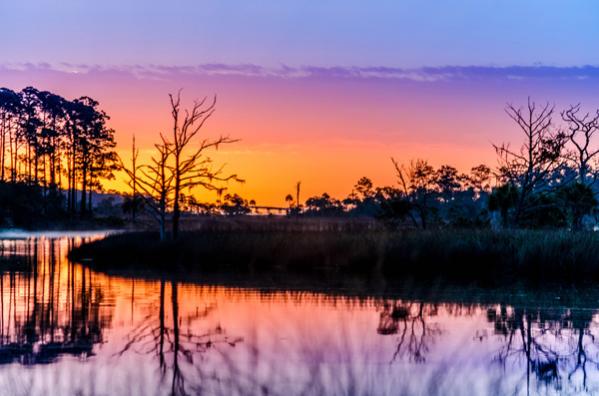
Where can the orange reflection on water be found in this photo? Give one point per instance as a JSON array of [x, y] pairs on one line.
[[83, 332]]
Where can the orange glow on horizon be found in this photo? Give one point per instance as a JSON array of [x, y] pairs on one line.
[[270, 173], [324, 132]]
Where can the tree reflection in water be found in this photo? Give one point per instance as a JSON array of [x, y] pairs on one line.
[[410, 321], [554, 343], [50, 309], [172, 347], [40, 318]]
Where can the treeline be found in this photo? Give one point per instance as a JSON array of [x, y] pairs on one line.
[[61, 147], [424, 197], [550, 180]]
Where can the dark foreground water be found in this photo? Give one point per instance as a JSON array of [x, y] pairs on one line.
[[67, 330]]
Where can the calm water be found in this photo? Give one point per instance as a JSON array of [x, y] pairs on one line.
[[67, 330]]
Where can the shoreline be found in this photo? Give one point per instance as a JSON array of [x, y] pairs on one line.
[[486, 258], [21, 233], [582, 296]]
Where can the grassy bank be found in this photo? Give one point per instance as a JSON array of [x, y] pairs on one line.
[[483, 257]]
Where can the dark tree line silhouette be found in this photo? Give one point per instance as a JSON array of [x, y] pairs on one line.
[[62, 146], [550, 180], [54, 153]]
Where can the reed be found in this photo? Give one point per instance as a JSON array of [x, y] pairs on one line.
[[481, 256]]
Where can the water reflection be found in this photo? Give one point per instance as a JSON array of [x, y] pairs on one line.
[[171, 347], [412, 322], [46, 309], [555, 343], [65, 329]]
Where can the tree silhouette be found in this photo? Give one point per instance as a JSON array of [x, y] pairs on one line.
[[43, 135], [191, 167], [234, 205], [504, 198], [323, 205], [289, 200], [540, 154], [480, 178], [448, 181], [155, 181], [578, 200], [581, 129], [418, 182]]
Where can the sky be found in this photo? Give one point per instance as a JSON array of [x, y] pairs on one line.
[[323, 92]]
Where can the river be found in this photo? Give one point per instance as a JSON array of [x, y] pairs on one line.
[[67, 330]]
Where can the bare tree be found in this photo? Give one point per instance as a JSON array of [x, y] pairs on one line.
[[155, 182], [191, 167], [539, 155], [581, 129]]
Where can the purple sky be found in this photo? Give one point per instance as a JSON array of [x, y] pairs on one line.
[[395, 33], [326, 90]]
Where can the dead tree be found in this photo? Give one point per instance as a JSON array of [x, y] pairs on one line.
[[529, 166], [191, 167], [155, 184], [581, 129]]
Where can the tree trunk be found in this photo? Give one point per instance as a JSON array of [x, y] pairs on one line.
[[53, 168], [12, 156], [35, 167], [73, 184], [83, 206], [3, 148], [162, 228], [89, 194], [28, 148], [69, 188], [176, 209]]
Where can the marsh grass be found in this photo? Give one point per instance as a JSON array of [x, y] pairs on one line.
[[480, 256]]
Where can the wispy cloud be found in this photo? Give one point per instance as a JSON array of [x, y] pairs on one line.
[[421, 75]]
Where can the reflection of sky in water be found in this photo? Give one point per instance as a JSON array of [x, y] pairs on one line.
[[92, 334]]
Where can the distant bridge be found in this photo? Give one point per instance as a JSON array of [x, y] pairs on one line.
[[269, 210]]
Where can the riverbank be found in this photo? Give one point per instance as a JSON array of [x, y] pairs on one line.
[[463, 256], [92, 224]]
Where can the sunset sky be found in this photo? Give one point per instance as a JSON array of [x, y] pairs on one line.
[[322, 92]]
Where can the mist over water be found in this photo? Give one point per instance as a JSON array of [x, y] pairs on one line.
[[67, 330]]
